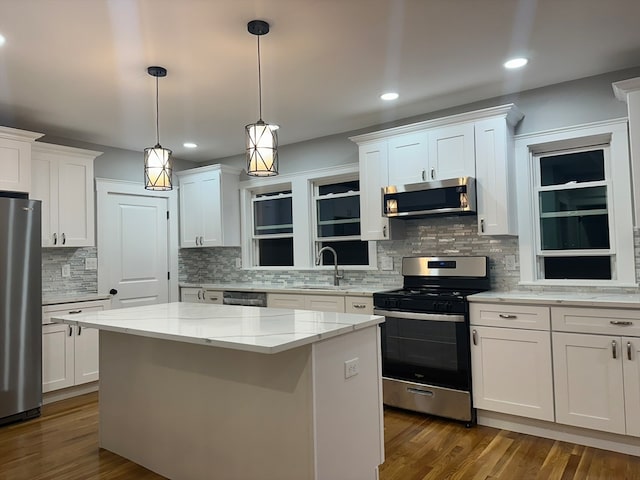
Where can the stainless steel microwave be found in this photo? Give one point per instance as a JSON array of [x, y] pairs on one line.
[[451, 196]]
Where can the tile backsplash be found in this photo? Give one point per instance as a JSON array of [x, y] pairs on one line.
[[80, 280]]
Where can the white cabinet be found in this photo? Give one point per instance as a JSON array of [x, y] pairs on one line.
[[373, 164], [321, 303], [495, 174], [15, 159], [209, 207], [451, 152], [200, 295], [408, 158], [597, 371], [62, 177], [358, 305], [511, 360], [69, 353]]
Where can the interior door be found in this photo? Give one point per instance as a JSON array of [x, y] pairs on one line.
[[135, 244]]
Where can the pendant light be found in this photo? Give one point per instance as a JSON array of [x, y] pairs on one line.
[[157, 160], [262, 138]]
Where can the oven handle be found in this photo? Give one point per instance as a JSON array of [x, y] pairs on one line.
[[432, 317]]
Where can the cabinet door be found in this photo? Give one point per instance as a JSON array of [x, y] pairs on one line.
[[212, 296], [285, 300], [408, 158], [588, 381], [324, 303], [631, 370], [191, 295], [44, 187], [75, 203], [373, 176], [211, 209], [511, 371], [190, 212], [15, 165], [58, 370], [452, 152], [86, 365], [495, 178], [359, 305]]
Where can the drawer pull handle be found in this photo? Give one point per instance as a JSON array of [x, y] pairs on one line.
[[359, 305], [504, 315], [614, 349], [475, 337], [427, 393], [621, 323], [629, 350], [79, 330], [75, 311], [70, 330]]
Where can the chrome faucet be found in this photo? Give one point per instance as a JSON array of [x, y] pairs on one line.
[[336, 274]]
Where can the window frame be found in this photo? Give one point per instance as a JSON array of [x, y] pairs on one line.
[[529, 148], [255, 238]]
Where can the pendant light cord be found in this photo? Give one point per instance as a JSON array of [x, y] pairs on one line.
[[157, 115], [259, 80]]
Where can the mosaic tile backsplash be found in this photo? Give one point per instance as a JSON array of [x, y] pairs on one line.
[[433, 236], [80, 280]]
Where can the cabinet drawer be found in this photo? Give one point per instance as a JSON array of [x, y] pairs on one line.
[[608, 321], [49, 311], [358, 305], [324, 303], [285, 300], [511, 316], [213, 296]]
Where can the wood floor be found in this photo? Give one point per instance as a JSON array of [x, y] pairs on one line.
[[63, 445]]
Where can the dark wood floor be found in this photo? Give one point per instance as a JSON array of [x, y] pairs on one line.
[[63, 445]]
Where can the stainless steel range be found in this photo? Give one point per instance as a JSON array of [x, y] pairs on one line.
[[426, 359]]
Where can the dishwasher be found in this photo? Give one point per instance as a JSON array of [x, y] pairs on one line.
[[253, 299]]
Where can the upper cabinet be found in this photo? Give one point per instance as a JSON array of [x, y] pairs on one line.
[[62, 178], [15, 159], [209, 207], [477, 144]]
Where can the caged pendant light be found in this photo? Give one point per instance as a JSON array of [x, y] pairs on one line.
[[157, 160], [262, 138]]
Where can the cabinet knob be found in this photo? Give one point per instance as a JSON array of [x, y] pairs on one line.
[[482, 225], [614, 349], [433, 174], [201, 241], [79, 330], [474, 334], [70, 330], [384, 231], [64, 239], [55, 238], [424, 174], [113, 291], [629, 350]]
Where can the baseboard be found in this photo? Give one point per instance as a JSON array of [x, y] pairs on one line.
[[64, 393], [555, 431]]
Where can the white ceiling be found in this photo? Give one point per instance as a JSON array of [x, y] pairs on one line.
[[77, 68]]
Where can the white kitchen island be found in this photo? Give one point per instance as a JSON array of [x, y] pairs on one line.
[[202, 391]]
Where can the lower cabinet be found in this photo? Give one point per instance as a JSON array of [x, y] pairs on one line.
[[511, 359], [69, 353], [597, 382], [322, 303], [362, 305], [511, 371], [200, 295]]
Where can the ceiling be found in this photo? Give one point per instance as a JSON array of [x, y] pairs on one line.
[[77, 68]]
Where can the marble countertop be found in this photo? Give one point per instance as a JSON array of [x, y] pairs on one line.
[[611, 300], [55, 299], [366, 290], [252, 329]]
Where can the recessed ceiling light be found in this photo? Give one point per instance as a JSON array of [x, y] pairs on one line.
[[189, 145], [389, 96], [2, 40], [516, 63]]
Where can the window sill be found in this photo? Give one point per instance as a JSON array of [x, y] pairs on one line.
[[578, 283]]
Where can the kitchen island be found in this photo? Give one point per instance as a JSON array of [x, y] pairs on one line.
[[202, 391]]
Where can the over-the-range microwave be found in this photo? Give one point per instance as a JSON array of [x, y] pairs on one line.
[[454, 195]]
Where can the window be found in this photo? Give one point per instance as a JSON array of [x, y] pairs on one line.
[[575, 221], [337, 224], [573, 211], [273, 229]]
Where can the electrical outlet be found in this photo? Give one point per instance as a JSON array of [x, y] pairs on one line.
[[351, 367], [386, 263], [91, 263], [238, 262], [510, 262], [66, 271]]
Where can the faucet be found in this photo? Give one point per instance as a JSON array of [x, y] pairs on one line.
[[336, 274]]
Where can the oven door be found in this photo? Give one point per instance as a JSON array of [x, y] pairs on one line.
[[426, 348]]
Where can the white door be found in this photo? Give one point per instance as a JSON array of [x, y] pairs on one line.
[[136, 249], [588, 381]]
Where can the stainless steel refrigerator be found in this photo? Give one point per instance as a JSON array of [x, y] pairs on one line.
[[20, 309]]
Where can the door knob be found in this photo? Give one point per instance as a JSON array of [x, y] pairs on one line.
[[113, 291]]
